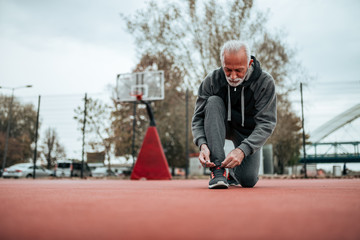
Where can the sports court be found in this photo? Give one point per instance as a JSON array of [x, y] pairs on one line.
[[179, 209]]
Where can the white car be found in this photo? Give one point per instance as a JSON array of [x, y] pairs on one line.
[[63, 169], [103, 172], [70, 168], [22, 170]]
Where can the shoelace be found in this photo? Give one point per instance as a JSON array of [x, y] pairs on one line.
[[218, 172]]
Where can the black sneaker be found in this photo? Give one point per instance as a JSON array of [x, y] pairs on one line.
[[218, 178], [231, 179]]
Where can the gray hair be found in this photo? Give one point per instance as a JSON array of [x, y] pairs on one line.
[[235, 46]]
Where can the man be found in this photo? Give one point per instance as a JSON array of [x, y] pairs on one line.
[[235, 102]]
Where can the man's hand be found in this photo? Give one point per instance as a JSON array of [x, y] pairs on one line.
[[204, 156], [233, 159]]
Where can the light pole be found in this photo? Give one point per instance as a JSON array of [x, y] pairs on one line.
[[9, 122], [303, 130]]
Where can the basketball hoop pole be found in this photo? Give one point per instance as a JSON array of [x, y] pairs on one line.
[[150, 113], [151, 162], [148, 108]]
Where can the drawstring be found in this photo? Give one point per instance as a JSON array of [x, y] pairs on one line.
[[242, 106], [229, 105], [250, 71]]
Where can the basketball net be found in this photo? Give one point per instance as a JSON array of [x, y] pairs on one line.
[[137, 94]]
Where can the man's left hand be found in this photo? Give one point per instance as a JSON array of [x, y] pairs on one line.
[[233, 159]]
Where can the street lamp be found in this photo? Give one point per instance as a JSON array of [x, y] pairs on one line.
[[9, 123]]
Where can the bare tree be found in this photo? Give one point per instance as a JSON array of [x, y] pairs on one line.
[[99, 130], [51, 147]]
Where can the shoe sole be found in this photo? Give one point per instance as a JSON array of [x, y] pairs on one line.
[[219, 185]]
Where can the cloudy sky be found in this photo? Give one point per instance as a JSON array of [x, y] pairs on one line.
[[69, 47]]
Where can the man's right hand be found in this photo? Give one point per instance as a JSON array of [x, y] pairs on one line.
[[204, 156]]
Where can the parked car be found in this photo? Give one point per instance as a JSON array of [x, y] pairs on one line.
[[103, 172], [76, 170], [114, 171], [69, 168], [22, 170], [63, 168], [93, 166]]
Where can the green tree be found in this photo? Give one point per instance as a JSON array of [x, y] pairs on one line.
[[22, 130], [190, 34]]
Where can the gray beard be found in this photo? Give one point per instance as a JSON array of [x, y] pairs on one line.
[[237, 83], [240, 80]]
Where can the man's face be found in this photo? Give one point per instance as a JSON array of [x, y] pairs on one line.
[[235, 66]]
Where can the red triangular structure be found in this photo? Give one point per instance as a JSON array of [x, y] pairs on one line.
[[151, 162]]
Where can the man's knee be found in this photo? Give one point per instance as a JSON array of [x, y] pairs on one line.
[[215, 103], [248, 180]]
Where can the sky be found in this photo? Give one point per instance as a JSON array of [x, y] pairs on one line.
[[69, 47]]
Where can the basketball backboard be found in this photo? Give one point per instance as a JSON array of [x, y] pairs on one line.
[[150, 85]]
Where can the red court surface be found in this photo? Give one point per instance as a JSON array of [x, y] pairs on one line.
[[179, 209]]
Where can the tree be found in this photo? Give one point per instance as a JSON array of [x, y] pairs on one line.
[[286, 139], [22, 130], [190, 34], [51, 148], [98, 128]]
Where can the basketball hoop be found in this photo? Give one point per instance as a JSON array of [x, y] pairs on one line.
[[150, 85], [137, 94]]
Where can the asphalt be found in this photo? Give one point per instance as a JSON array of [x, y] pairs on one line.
[[179, 209]]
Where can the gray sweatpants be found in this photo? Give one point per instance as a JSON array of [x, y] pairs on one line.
[[217, 130]]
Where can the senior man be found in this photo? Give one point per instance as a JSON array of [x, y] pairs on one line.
[[237, 102]]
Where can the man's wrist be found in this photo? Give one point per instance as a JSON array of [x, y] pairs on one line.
[[201, 141], [201, 147], [239, 151], [245, 149]]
